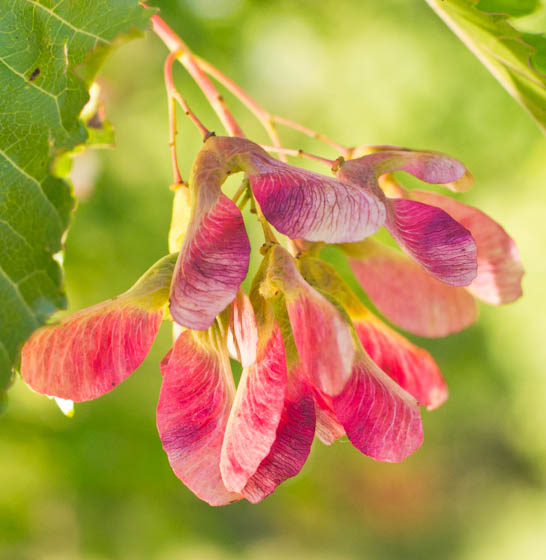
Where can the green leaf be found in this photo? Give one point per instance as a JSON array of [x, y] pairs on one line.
[[516, 59], [509, 7], [49, 53]]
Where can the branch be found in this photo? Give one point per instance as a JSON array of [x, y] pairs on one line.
[[173, 96], [175, 44]]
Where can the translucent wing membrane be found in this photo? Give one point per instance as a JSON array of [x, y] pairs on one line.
[[192, 413], [306, 205], [242, 339], [500, 270], [431, 167], [322, 336], [410, 366], [252, 426], [293, 441], [442, 246], [89, 352], [381, 419], [212, 264], [407, 295]]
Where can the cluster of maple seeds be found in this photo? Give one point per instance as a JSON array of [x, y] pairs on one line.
[[315, 360]]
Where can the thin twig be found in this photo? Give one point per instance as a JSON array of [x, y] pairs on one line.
[[197, 67], [174, 96], [173, 92], [175, 44], [300, 154], [177, 178], [242, 188], [243, 201], [343, 150]]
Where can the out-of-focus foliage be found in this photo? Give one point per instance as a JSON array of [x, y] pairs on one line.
[[516, 59], [99, 487]]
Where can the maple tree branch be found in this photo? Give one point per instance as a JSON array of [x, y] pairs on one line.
[[198, 68]]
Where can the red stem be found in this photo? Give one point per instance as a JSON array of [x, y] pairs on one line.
[[300, 153], [185, 57]]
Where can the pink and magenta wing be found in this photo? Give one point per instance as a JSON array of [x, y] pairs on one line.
[[91, 351], [256, 413], [431, 167], [242, 338], [440, 244], [410, 297], [292, 444], [499, 266], [411, 367], [322, 336], [380, 418], [211, 266], [302, 204], [192, 413], [328, 427]]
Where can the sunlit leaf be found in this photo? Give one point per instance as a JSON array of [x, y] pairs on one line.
[[517, 60], [50, 53]]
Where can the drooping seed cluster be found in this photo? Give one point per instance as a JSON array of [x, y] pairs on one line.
[[315, 360]]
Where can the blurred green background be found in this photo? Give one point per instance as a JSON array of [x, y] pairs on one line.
[[99, 486]]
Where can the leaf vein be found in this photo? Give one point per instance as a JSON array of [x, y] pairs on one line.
[[23, 77], [15, 288], [36, 182], [44, 91], [67, 23], [16, 233]]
